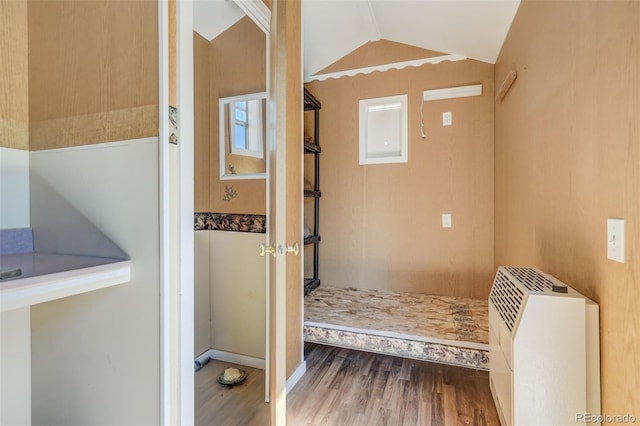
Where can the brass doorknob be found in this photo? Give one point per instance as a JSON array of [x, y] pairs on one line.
[[263, 250], [294, 248]]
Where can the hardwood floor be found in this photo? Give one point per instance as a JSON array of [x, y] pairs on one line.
[[218, 405], [345, 387], [352, 388]]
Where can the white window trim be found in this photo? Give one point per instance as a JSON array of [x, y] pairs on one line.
[[364, 106]]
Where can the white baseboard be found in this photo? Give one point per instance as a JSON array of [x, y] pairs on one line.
[[250, 362], [296, 376], [203, 358], [232, 358]]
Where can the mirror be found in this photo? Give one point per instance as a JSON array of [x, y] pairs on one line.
[[242, 136]]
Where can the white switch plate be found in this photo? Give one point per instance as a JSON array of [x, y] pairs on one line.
[[615, 239], [446, 220], [446, 119]]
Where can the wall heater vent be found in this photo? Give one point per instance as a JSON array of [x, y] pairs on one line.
[[507, 298], [530, 278], [544, 361]]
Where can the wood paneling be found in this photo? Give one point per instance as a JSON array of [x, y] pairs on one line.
[[93, 72], [379, 53], [14, 85], [568, 157], [202, 116], [285, 200], [294, 182], [237, 65], [381, 224]]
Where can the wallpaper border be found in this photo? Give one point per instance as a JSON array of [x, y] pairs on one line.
[[235, 222]]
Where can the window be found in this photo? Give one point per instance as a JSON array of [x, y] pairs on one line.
[[242, 122], [246, 138], [242, 134], [383, 130]]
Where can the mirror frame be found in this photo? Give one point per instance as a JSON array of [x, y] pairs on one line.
[[222, 139]]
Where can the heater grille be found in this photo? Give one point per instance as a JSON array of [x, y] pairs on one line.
[[543, 339], [531, 279], [507, 297]]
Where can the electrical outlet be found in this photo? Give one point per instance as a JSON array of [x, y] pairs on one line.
[[615, 239], [446, 118], [446, 220]]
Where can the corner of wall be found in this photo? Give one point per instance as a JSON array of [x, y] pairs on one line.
[[14, 188]]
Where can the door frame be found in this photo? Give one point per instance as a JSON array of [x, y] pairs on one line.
[[176, 210], [176, 220]]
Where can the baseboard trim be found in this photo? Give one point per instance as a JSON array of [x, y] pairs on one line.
[[232, 358], [296, 376], [250, 362], [203, 358]]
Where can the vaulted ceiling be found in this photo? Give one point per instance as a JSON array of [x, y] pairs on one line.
[[333, 28]]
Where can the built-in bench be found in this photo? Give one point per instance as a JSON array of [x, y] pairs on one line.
[[440, 329]]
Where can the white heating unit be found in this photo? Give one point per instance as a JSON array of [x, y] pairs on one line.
[[544, 350]]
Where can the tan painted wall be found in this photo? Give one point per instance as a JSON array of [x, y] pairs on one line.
[[568, 157], [381, 224], [202, 293], [14, 85], [236, 64], [230, 289], [238, 293], [202, 142], [93, 72], [379, 52]]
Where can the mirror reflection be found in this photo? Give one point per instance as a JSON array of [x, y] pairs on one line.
[[242, 136]]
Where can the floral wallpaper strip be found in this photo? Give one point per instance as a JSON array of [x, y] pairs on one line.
[[230, 222], [173, 125]]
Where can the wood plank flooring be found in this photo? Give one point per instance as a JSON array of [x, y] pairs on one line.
[[352, 388], [218, 405]]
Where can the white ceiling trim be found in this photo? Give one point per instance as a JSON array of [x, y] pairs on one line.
[[258, 12], [385, 67]]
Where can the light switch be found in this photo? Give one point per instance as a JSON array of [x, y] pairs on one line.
[[446, 220], [446, 118], [615, 239]]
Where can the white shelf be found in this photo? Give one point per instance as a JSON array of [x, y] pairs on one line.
[[49, 277]]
